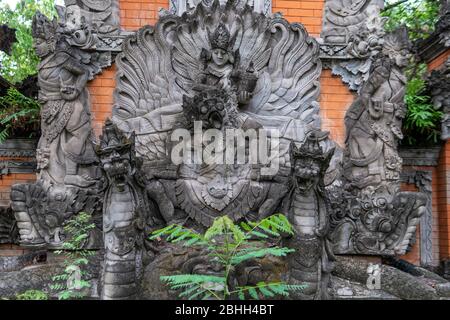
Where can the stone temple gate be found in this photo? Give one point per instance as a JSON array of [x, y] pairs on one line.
[[216, 66]]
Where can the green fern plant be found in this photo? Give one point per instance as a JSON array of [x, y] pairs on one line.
[[70, 283], [422, 121], [229, 245]]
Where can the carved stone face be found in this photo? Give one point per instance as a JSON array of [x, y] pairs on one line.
[[306, 174], [402, 58], [73, 17], [116, 163], [220, 57]]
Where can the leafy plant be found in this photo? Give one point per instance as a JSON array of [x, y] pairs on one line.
[[32, 295], [19, 115], [70, 283], [420, 16], [229, 245], [23, 61], [422, 121]]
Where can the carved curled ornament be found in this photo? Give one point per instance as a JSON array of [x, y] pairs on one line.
[[351, 36]]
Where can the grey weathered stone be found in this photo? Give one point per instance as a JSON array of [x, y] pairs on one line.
[[179, 7], [438, 86], [16, 263], [308, 209], [23, 148], [37, 277], [376, 218], [443, 289], [351, 36], [413, 156], [393, 281], [65, 156]]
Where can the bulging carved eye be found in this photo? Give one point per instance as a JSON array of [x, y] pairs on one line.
[[204, 110]]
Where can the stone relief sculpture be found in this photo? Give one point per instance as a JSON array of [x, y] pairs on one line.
[[351, 36], [126, 213], [178, 7], [65, 155], [438, 86], [377, 218], [308, 209]]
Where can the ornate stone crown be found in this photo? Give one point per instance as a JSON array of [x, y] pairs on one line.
[[221, 38], [310, 149], [43, 28], [396, 41]]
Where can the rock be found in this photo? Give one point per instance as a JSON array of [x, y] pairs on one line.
[[38, 277], [343, 289], [443, 289], [393, 281]]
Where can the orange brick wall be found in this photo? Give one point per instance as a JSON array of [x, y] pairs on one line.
[[6, 181], [101, 90], [442, 190], [138, 13], [335, 99], [443, 198], [307, 12]]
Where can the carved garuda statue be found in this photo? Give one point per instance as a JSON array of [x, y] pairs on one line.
[[219, 69], [376, 218], [230, 68]]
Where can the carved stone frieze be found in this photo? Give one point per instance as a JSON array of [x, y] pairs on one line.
[[438, 86], [423, 181], [179, 7], [375, 217], [351, 36]]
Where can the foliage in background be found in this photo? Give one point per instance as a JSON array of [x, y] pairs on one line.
[[19, 115], [229, 245], [70, 284], [32, 295], [23, 61], [420, 16], [421, 125]]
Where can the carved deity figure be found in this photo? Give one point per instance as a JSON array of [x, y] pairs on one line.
[[66, 119], [375, 217], [374, 120], [221, 70], [308, 209]]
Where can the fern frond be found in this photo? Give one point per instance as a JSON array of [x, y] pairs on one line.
[[260, 253]]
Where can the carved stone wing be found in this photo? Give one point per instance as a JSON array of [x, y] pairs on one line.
[[289, 84]]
